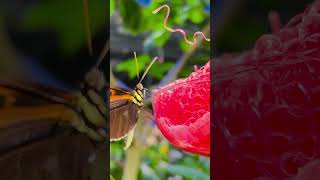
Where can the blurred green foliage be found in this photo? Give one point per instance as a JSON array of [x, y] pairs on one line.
[[160, 160], [112, 5], [143, 60], [186, 14], [130, 66], [137, 19], [66, 19]]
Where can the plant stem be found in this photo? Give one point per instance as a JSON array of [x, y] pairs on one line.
[[134, 154]]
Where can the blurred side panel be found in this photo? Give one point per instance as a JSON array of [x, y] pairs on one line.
[[265, 90]]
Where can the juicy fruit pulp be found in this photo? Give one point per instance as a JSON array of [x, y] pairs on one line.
[[182, 111], [267, 104]]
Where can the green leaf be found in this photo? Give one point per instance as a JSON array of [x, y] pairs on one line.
[[112, 7], [111, 178], [199, 59], [158, 38], [182, 15], [177, 3], [161, 37], [187, 172], [130, 66], [132, 16], [159, 70], [194, 2], [196, 15], [185, 46], [185, 72]]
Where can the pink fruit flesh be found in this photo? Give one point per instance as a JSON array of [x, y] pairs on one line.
[[182, 111]]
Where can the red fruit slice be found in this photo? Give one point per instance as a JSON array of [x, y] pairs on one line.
[[182, 111]]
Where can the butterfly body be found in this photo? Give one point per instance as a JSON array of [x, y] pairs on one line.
[[124, 110], [138, 93]]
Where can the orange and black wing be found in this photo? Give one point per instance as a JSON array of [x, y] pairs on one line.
[[20, 104], [123, 113], [116, 94]]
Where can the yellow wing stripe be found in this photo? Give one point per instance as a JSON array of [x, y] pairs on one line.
[[14, 115], [121, 97]]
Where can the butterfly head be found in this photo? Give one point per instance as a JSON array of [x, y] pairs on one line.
[[139, 91], [140, 87]]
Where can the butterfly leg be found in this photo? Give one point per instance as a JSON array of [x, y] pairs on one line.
[[129, 139]]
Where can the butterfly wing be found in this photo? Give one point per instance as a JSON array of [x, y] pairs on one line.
[[36, 141], [118, 94], [25, 115], [23, 90], [58, 156], [123, 114], [22, 103]]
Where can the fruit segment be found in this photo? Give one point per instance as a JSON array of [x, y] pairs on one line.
[[182, 111]]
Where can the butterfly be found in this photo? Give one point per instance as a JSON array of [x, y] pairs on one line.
[[125, 108]]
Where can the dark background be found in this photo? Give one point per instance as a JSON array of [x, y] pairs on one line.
[[238, 23], [49, 36]]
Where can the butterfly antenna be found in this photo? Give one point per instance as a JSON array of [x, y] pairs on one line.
[[137, 67], [148, 68], [103, 53], [87, 26]]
